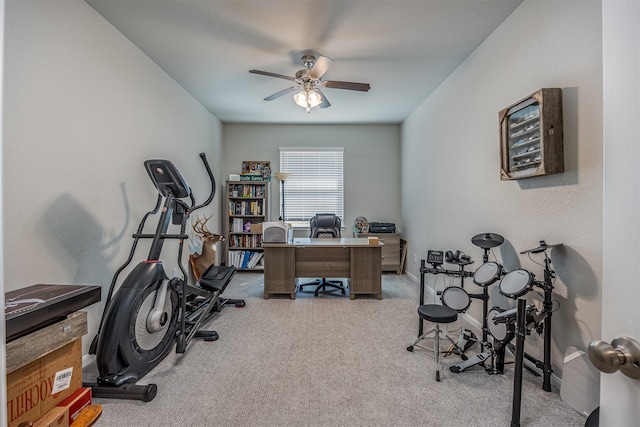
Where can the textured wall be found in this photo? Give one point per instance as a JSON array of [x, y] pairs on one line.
[[83, 109], [371, 162], [452, 141]]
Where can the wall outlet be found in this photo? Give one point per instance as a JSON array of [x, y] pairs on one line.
[[415, 258]]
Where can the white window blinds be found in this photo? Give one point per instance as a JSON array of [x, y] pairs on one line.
[[315, 183]]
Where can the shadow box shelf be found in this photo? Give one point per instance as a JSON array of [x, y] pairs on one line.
[[531, 136]]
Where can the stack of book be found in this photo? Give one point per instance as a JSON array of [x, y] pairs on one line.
[[245, 260]]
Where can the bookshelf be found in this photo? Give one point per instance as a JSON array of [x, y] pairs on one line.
[[247, 207]]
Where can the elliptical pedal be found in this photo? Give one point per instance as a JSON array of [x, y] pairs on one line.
[[217, 277]]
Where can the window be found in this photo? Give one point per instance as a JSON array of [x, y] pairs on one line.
[[315, 183]]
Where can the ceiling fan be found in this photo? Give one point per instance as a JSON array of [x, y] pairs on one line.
[[308, 83]]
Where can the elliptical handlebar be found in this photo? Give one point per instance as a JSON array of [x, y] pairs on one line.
[[211, 179]]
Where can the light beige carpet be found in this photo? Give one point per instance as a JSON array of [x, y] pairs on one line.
[[327, 361]]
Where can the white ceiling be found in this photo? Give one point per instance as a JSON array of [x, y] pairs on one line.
[[403, 48]]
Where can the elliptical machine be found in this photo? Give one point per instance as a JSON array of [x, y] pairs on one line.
[[151, 311]]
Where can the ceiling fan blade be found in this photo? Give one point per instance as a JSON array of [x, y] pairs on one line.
[[362, 87], [322, 65], [325, 102], [282, 92], [266, 73]]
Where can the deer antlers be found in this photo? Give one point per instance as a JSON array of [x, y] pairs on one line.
[[200, 227]]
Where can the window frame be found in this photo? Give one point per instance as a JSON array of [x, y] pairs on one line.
[[304, 181]]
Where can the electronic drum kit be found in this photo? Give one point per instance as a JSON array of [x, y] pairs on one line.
[[499, 324]]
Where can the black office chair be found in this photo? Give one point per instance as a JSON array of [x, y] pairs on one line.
[[325, 226]]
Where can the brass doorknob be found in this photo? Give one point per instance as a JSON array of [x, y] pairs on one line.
[[622, 354]]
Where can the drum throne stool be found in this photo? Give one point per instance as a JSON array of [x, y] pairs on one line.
[[436, 314]]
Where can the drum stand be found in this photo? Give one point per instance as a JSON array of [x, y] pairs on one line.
[[485, 346], [541, 322], [521, 331], [486, 350], [547, 308], [544, 316]]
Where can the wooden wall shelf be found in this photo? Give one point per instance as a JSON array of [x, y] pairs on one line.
[[531, 136]]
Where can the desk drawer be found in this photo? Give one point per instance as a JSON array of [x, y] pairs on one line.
[[390, 259], [315, 262], [390, 250]]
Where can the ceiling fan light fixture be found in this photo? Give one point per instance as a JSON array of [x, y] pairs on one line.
[[314, 98], [307, 99], [300, 98], [309, 81]]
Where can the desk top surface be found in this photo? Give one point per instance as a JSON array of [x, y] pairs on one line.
[[306, 241]]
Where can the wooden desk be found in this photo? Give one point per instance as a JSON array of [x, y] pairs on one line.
[[336, 258]]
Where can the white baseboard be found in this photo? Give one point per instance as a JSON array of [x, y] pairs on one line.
[[87, 360]]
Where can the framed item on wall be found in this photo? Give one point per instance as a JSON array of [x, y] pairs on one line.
[[255, 167], [256, 170], [531, 136]]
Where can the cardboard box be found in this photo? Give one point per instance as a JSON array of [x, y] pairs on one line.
[[256, 228], [374, 241], [57, 417], [67, 411], [29, 389]]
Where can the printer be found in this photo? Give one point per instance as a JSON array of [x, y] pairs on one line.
[[276, 232], [382, 227]]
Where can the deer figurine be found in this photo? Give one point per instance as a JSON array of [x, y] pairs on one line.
[[200, 262]]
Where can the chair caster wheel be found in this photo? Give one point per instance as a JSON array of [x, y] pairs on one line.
[[343, 292], [410, 348], [241, 304]]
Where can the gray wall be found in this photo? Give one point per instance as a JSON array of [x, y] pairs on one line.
[[371, 162], [83, 109], [453, 140]]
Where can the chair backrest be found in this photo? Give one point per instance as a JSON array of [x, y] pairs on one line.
[[325, 225]]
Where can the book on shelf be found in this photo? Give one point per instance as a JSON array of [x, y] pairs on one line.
[[246, 208], [260, 263], [246, 190], [255, 258], [234, 258], [245, 259]]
